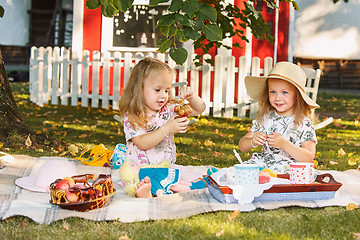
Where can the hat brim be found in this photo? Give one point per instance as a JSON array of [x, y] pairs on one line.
[[47, 173], [29, 184], [256, 87]]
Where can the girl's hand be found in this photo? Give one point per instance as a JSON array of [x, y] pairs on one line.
[[276, 140], [176, 125], [259, 138], [186, 92]]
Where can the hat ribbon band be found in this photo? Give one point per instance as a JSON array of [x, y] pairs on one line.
[[289, 79]]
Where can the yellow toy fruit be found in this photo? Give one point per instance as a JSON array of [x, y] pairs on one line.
[[272, 174]]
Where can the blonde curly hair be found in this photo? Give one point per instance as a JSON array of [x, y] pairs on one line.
[[132, 100]]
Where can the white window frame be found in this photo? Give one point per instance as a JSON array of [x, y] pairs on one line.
[[107, 27]]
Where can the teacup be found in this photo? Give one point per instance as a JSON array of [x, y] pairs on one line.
[[302, 173], [243, 174], [118, 157]]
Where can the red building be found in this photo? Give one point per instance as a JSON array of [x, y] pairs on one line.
[[135, 31]]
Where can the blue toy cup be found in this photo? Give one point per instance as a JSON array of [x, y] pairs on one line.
[[246, 174], [118, 156]]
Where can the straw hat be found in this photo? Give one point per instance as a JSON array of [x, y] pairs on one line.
[[292, 73], [48, 173]]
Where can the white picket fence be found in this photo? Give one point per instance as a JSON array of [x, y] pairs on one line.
[[59, 76]]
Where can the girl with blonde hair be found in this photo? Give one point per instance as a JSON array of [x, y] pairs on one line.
[[148, 113], [283, 126]]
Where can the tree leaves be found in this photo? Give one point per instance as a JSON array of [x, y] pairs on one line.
[[179, 55], [190, 7], [192, 19], [92, 4], [212, 32], [175, 5], [208, 11]]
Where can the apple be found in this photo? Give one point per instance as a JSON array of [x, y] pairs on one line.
[[65, 184], [264, 177], [72, 195]]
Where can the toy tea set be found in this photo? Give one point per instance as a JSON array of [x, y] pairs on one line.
[[247, 183]]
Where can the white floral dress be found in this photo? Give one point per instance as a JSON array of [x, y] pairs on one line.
[[164, 150], [274, 158]]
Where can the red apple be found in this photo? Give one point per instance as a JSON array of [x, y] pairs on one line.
[[264, 177], [72, 196], [65, 184]]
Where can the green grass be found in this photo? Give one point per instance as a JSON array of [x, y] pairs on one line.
[[208, 142]]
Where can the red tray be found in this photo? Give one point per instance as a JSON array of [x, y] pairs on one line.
[[320, 185]]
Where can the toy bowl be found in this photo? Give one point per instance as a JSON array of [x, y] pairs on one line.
[[77, 193]]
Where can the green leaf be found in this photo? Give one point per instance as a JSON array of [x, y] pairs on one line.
[[92, 4], [252, 10], [163, 45], [190, 7], [198, 25], [181, 36], [123, 5], [175, 5], [108, 10], [179, 55], [154, 3], [184, 20], [212, 32], [168, 31], [165, 30], [209, 12], [2, 11], [191, 33], [166, 20]]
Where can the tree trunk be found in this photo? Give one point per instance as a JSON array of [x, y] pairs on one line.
[[10, 117], [12, 123]]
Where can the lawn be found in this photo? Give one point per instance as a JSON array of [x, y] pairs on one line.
[[209, 141]]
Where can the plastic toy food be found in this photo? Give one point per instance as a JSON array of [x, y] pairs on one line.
[[264, 176], [272, 174], [77, 193], [183, 110]]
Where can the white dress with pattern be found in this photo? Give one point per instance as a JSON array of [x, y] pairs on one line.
[[274, 158], [165, 150]]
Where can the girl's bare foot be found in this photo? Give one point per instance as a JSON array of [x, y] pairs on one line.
[[142, 189]]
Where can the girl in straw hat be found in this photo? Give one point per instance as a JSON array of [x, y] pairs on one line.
[[283, 126]]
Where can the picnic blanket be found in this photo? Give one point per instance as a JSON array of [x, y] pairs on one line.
[[15, 200]]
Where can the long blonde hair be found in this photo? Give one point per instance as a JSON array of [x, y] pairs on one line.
[[132, 100], [302, 109]]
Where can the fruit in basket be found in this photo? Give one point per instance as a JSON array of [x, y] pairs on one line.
[[65, 184], [82, 197], [264, 177], [72, 195], [183, 110]]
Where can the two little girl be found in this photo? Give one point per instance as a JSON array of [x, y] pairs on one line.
[[283, 126]]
